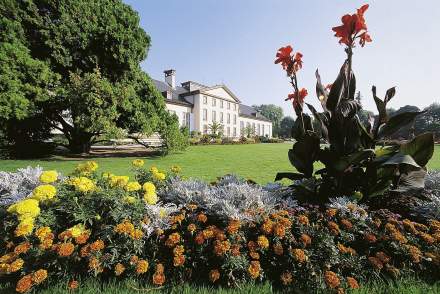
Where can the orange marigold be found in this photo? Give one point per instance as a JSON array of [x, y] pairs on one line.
[[286, 278], [254, 269], [278, 249], [331, 279], [94, 264], [178, 260], [172, 240], [82, 239], [306, 240], [199, 238], [331, 212], [299, 255], [65, 249], [214, 275], [208, 233], [346, 224], [73, 285], [279, 230], [179, 250], [334, 228], [254, 255], [352, 283], [221, 247], [427, 238], [375, 262], [22, 248], [158, 279], [414, 253], [370, 238], [267, 227], [85, 251], [383, 257], [202, 218], [233, 227], [97, 245], [24, 284], [304, 220], [16, 265], [346, 250], [39, 276], [141, 266], [119, 269], [235, 250], [191, 228]]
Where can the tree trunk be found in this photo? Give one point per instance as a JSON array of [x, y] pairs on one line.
[[80, 142]]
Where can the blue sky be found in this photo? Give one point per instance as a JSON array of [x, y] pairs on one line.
[[234, 42]]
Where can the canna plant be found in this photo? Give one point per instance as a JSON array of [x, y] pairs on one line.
[[356, 160]]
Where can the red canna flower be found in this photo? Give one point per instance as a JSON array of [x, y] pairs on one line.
[[298, 61], [351, 26], [328, 87], [283, 56], [297, 97]]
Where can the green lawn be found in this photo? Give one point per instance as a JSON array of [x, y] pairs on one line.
[[259, 162]]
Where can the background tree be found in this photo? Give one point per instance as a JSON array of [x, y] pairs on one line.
[[429, 121], [75, 65], [286, 125], [273, 113]]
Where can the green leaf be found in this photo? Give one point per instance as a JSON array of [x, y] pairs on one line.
[[354, 158], [411, 181], [337, 90], [321, 118], [398, 121], [379, 188], [402, 160], [421, 148], [381, 107], [348, 108], [289, 175], [304, 153], [321, 93]]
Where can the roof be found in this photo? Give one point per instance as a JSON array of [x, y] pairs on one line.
[[250, 112], [179, 93]]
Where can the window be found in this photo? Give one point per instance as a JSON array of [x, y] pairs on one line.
[[258, 130], [205, 114], [221, 117], [229, 105], [235, 119], [221, 103], [253, 128], [205, 100], [228, 120], [263, 130], [235, 132], [214, 102], [241, 125], [214, 117], [229, 131], [235, 106], [205, 129]]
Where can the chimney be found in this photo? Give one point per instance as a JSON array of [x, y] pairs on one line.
[[170, 78]]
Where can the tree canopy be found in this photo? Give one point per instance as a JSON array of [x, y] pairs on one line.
[[75, 66]]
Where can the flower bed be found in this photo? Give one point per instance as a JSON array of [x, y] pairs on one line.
[[166, 230]]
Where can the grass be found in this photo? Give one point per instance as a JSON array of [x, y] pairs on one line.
[[259, 162], [90, 286]]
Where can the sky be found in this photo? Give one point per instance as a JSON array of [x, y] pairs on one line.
[[234, 42]]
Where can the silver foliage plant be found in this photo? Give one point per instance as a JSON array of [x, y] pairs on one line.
[[231, 197], [348, 207], [430, 209], [15, 186]]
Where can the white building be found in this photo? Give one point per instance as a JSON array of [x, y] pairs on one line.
[[197, 106]]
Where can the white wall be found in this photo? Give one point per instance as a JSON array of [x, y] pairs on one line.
[[265, 128], [180, 110]]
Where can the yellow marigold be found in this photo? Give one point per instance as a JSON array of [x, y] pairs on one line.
[[254, 269], [97, 245], [27, 208], [39, 276], [5, 268], [304, 220], [331, 212], [16, 265], [333, 227], [73, 285], [286, 278], [154, 169], [233, 226], [83, 184], [22, 248], [346, 224], [138, 163], [214, 275], [158, 176], [126, 227], [119, 181], [172, 240], [178, 250], [158, 279], [375, 262], [299, 255], [65, 249], [129, 199], [191, 228], [119, 269], [137, 234], [141, 266], [48, 176], [76, 230], [176, 169], [352, 283], [42, 232], [94, 264], [132, 186], [267, 226], [208, 233], [202, 218], [24, 284], [331, 279], [179, 260], [87, 167], [278, 249], [151, 198], [306, 240], [435, 225], [9, 257], [409, 226], [279, 230], [397, 236], [263, 242], [25, 227]]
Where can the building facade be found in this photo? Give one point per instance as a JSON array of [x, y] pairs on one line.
[[198, 106]]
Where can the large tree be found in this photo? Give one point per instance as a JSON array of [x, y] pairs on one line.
[[272, 112], [74, 65], [286, 125]]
